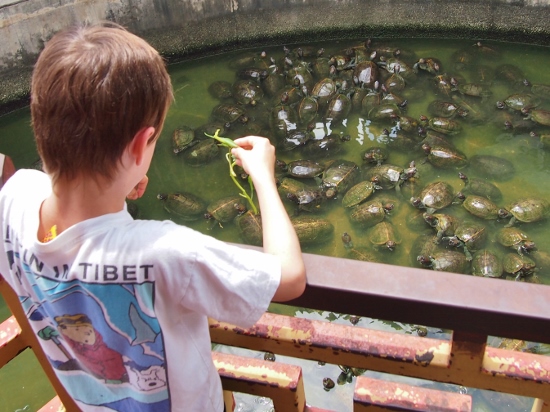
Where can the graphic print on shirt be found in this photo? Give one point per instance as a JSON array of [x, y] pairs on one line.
[[103, 340]]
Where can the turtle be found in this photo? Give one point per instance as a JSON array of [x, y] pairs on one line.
[[445, 109], [492, 167], [183, 137], [307, 109], [229, 113], [512, 237], [293, 138], [519, 102], [247, 92], [203, 152], [339, 177], [475, 90], [183, 204], [256, 74], [370, 213], [444, 224], [481, 207], [431, 65], [527, 210], [445, 125], [324, 90], [304, 168], [384, 112], [225, 209], [390, 176], [468, 235], [367, 73], [518, 266], [541, 90], [445, 261], [308, 199], [435, 196], [384, 235], [480, 187], [487, 264], [311, 230], [220, 89], [359, 193], [445, 156], [362, 253], [249, 226], [511, 74], [328, 146], [339, 107], [375, 154]]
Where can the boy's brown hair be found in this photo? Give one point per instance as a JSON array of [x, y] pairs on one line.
[[93, 88]]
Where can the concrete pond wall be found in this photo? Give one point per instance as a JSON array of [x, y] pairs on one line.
[[184, 28]]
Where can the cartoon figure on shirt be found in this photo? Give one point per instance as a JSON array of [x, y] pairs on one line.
[[94, 356]]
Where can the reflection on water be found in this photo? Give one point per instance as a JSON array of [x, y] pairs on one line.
[[482, 132]]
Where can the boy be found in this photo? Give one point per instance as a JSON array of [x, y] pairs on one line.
[[120, 306]]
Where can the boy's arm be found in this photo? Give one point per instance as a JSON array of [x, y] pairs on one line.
[[257, 157]]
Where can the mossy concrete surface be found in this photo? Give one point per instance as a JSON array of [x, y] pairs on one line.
[[180, 29]]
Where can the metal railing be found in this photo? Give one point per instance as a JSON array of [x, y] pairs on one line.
[[473, 308]]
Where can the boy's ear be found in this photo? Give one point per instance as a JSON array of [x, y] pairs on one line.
[[140, 142]]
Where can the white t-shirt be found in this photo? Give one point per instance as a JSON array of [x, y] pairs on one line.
[[120, 306]]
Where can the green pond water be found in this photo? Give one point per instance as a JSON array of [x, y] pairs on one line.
[[169, 173]]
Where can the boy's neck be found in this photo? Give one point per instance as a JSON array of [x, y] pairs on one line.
[[77, 200]]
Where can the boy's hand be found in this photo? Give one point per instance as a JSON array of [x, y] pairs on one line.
[[139, 189], [256, 155]]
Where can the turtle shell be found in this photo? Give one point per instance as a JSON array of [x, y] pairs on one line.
[[387, 175], [228, 113], [437, 195], [521, 101], [445, 125], [358, 193], [492, 167], [183, 204], [518, 266], [487, 264], [312, 230], [444, 224], [226, 208], [307, 109], [182, 138], [514, 238], [249, 226], [449, 261], [510, 236], [304, 168], [481, 187], [340, 175], [540, 116], [202, 153], [338, 108], [375, 154], [445, 156], [247, 92], [368, 214], [481, 207], [529, 209], [472, 234], [384, 234], [220, 89], [289, 185]]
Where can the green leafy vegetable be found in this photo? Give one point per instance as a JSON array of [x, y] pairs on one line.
[[230, 144]]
